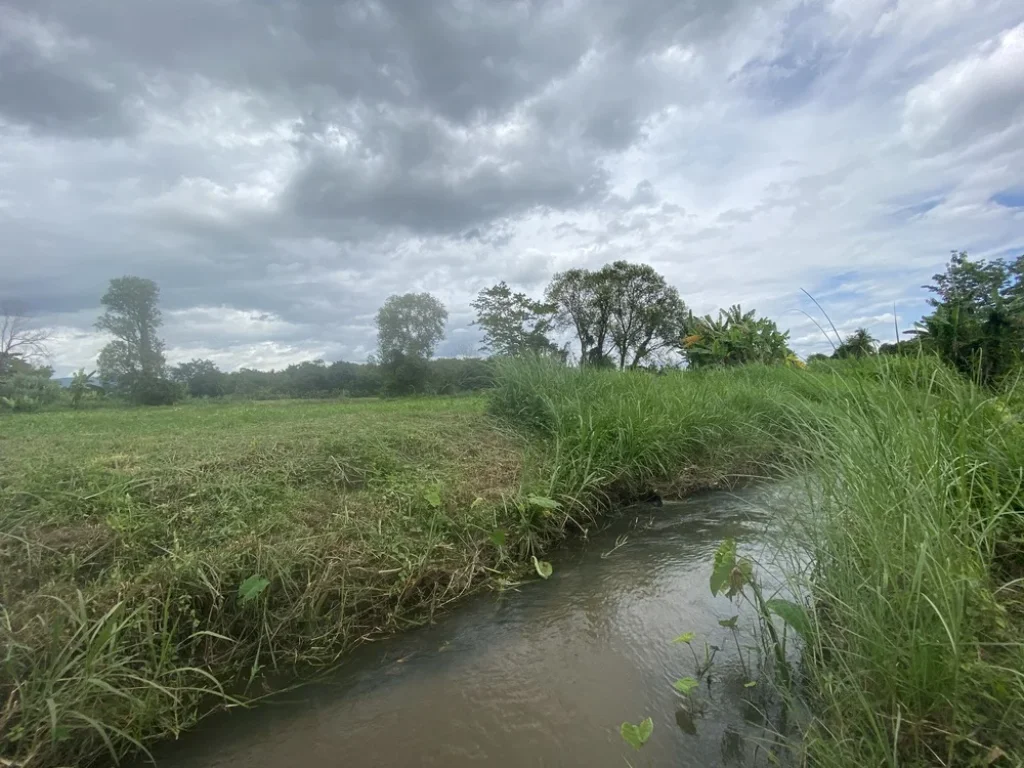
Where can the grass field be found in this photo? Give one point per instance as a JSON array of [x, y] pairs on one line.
[[153, 561]]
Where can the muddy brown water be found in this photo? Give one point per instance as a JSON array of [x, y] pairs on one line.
[[544, 674]]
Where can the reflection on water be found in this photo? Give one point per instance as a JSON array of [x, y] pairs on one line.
[[542, 675]]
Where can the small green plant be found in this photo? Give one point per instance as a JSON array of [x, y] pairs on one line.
[[543, 568], [636, 735]]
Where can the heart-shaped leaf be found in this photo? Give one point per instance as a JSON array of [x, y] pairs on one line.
[[498, 538], [685, 685], [543, 568], [433, 497], [252, 588], [686, 637], [728, 623], [637, 735]]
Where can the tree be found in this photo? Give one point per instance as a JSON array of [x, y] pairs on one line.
[[133, 363], [513, 323], [18, 339], [977, 324], [621, 315], [408, 329], [201, 378], [646, 314], [860, 343], [410, 325], [735, 338]]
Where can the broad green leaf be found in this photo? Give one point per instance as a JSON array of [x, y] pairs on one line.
[[685, 684], [791, 613], [637, 735], [725, 561], [728, 623], [498, 538], [686, 637], [750, 684], [252, 588], [542, 501], [433, 497], [543, 568]]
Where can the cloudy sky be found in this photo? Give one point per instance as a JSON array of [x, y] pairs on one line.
[[280, 167]]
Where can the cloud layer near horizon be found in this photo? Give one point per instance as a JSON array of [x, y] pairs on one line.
[[280, 168]]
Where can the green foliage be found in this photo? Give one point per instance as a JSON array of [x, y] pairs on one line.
[[734, 338], [622, 315], [686, 685], [82, 387], [25, 388], [860, 343], [201, 378], [133, 363], [252, 588], [543, 568], [977, 322], [410, 326], [513, 323], [636, 735]]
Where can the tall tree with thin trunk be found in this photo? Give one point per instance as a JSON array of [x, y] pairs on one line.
[[19, 339], [132, 317], [513, 323]]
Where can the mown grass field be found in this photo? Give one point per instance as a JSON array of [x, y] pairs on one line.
[[155, 561]]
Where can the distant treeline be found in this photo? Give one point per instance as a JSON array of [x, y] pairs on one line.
[[317, 379]]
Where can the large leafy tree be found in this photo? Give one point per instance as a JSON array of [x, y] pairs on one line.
[[133, 363], [735, 337], [582, 304], [409, 327], [646, 314], [513, 323], [622, 314], [977, 321]]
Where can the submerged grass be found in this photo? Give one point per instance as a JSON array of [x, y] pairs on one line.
[[125, 537]]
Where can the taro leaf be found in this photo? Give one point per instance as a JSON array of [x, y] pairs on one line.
[[543, 568], [791, 613], [728, 623], [433, 497], [637, 735], [498, 538], [725, 561], [252, 588], [686, 637], [685, 685]]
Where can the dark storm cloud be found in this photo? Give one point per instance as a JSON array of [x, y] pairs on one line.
[[306, 158]]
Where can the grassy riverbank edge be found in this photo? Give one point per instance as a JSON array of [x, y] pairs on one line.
[[914, 531]]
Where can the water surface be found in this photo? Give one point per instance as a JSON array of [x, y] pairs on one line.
[[540, 675]]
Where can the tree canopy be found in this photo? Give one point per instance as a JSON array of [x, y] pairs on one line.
[[513, 323], [133, 363], [622, 314]]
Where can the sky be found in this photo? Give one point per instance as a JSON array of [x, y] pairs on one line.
[[280, 167]]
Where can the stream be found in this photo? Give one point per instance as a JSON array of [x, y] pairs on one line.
[[542, 674]]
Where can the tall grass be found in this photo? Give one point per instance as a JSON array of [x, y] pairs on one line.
[[915, 527], [918, 538]]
